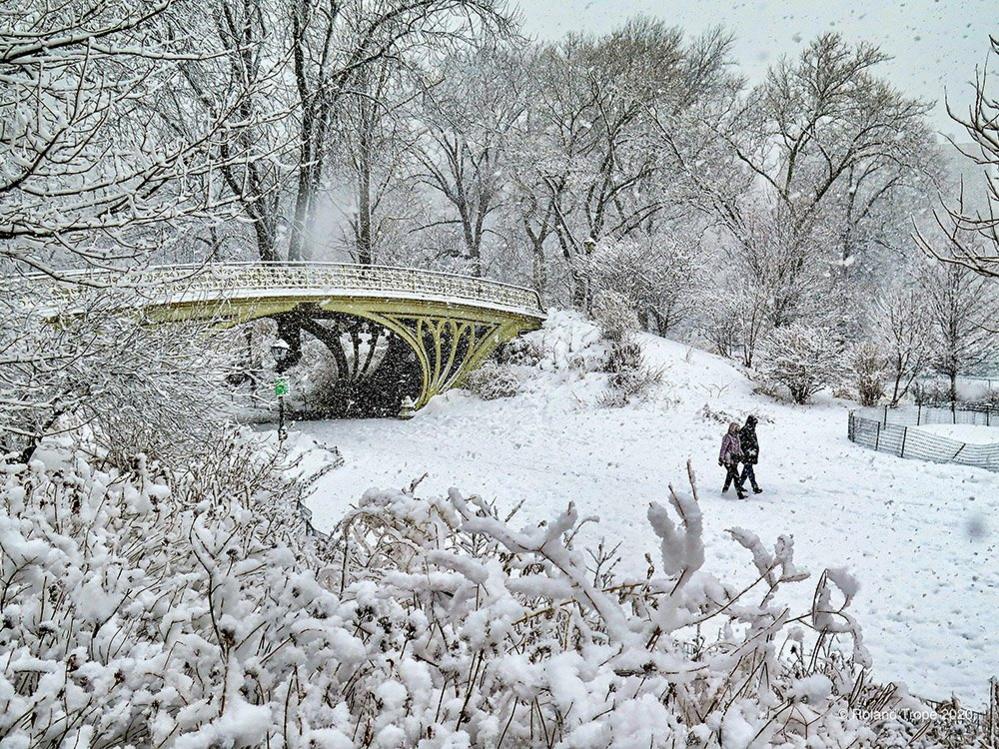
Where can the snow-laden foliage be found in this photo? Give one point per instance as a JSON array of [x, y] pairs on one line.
[[493, 380], [630, 379], [657, 274], [139, 387], [566, 341], [802, 359], [901, 331], [869, 368], [198, 612], [615, 314], [137, 612]]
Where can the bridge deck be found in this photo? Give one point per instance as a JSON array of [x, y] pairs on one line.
[[183, 285]]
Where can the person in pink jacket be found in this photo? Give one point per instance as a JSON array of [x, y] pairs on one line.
[[729, 457]]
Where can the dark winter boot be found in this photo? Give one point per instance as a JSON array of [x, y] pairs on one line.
[[757, 490]]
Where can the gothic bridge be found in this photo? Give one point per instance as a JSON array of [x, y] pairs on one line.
[[394, 333]]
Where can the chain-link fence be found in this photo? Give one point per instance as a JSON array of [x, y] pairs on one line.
[[902, 432]]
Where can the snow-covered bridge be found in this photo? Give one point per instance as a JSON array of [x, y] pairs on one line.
[[393, 332]]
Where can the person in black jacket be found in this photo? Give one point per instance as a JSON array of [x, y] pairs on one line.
[[750, 453]]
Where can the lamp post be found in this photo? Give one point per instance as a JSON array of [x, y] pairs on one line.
[[279, 350]]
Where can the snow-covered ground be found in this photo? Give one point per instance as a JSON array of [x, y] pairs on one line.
[[921, 537], [973, 434]]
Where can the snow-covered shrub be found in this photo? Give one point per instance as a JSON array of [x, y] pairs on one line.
[[658, 273], [717, 415], [144, 611], [630, 385], [624, 356], [771, 389], [930, 394], [615, 314], [800, 358], [562, 652], [156, 389], [523, 350], [198, 612], [990, 398], [869, 367], [733, 317], [493, 380], [843, 391], [566, 341], [630, 378]]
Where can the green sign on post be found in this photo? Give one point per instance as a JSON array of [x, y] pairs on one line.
[[280, 386]]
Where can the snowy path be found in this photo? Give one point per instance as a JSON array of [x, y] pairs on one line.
[[921, 537]]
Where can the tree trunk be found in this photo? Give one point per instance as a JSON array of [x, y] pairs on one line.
[[365, 252]]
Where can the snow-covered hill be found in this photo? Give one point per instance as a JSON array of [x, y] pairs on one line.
[[921, 537]]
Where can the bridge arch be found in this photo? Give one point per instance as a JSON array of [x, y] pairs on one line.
[[448, 323]]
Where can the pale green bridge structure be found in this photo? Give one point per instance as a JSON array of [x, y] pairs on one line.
[[395, 334]]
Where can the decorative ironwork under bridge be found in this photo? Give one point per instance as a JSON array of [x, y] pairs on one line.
[[394, 333]]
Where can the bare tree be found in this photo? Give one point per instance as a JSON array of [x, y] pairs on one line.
[[467, 119], [304, 69], [962, 309], [819, 146], [972, 235], [596, 172], [87, 173], [900, 328], [376, 143]]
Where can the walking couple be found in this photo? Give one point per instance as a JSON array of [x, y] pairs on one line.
[[740, 445]]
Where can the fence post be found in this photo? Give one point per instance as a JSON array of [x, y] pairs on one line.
[[992, 715], [919, 412], [886, 414], [877, 435], [905, 433]]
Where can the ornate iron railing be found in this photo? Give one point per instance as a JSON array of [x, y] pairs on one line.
[[184, 283]]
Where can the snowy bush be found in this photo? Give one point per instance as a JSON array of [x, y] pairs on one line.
[[197, 612], [630, 378], [566, 341], [493, 380], [869, 368], [930, 394], [843, 391], [657, 273], [717, 415], [523, 350], [624, 356], [800, 358], [990, 398], [138, 387], [615, 314], [630, 385]]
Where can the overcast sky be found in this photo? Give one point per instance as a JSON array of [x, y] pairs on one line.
[[936, 44]]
